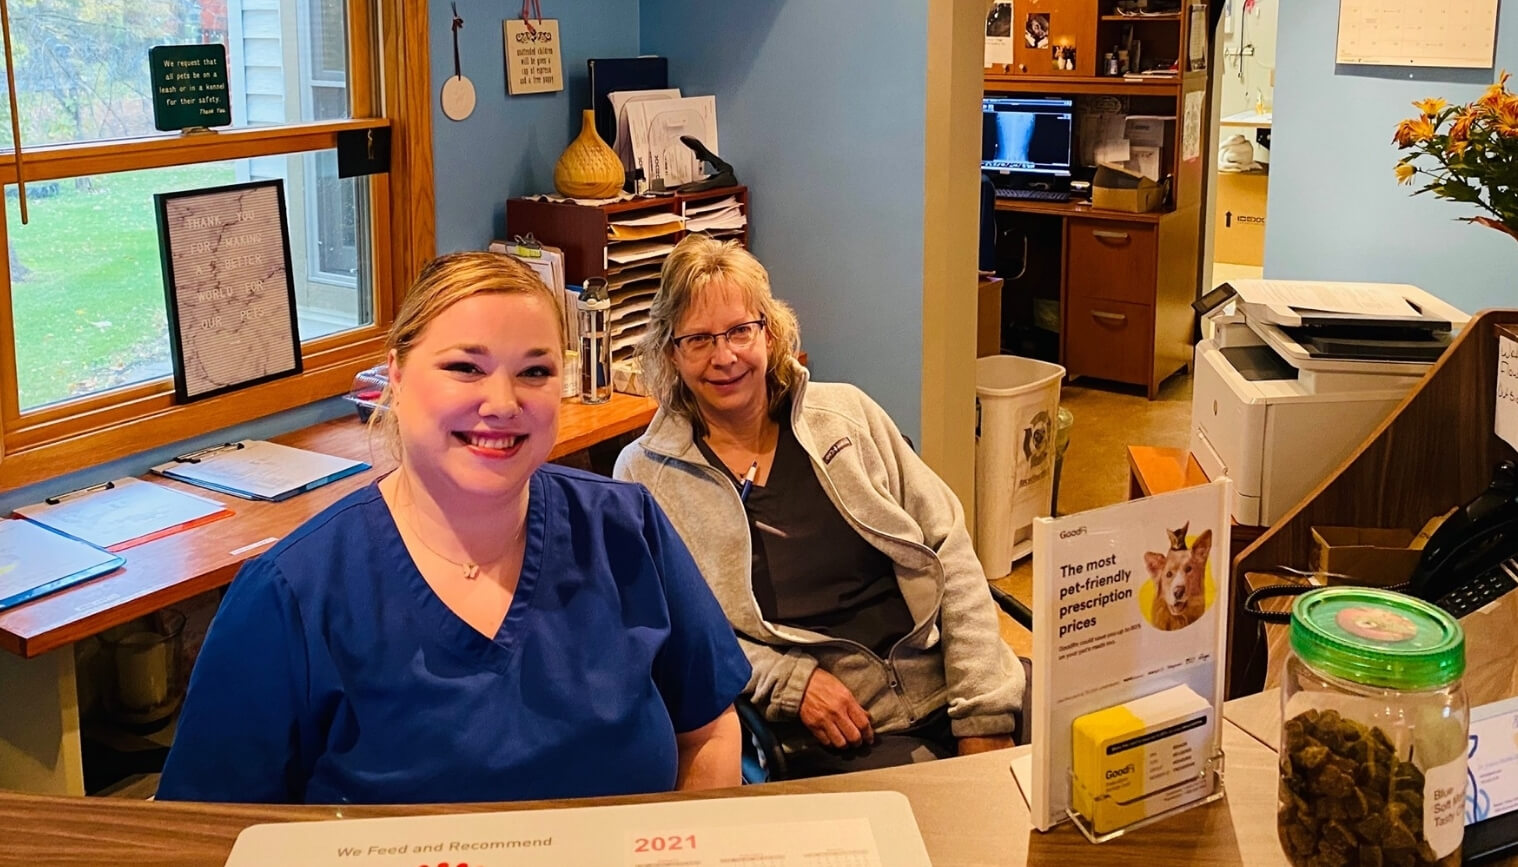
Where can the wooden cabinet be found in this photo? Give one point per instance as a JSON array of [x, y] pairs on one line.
[[1109, 339], [1127, 280], [1112, 260], [1127, 292]]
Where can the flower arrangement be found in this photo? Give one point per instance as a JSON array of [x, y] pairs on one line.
[[1466, 153]]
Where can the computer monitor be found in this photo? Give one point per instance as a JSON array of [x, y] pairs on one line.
[[1027, 135]]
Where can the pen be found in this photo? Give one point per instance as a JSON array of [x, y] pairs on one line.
[[748, 481]]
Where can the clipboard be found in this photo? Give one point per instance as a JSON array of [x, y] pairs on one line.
[[258, 469], [36, 561], [123, 513]]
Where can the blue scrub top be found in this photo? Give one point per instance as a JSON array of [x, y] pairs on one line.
[[332, 672]]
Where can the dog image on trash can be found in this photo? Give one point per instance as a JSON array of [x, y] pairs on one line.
[[1180, 580], [1038, 436]]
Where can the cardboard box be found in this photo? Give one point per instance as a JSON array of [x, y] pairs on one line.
[[1239, 233], [1369, 557], [1118, 189]]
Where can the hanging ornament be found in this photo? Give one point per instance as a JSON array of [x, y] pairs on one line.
[[458, 91]]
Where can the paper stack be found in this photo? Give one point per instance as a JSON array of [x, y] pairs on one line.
[[720, 219], [548, 263]]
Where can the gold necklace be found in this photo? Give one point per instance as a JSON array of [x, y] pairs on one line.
[[471, 570]]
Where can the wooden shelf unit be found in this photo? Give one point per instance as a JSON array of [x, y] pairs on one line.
[[1126, 281], [584, 233]]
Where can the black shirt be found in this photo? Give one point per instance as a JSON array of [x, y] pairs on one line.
[[810, 568]]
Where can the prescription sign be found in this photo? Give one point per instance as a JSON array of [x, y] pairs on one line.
[[1130, 600]]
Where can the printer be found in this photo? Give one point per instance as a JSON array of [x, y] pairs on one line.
[[1292, 376]]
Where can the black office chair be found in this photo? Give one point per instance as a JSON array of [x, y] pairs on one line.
[[768, 757]]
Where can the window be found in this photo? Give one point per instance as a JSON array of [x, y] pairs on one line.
[[85, 371]]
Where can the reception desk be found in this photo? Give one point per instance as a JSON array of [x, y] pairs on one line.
[[968, 809]]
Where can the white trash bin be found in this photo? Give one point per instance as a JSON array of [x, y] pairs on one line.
[[1018, 403]]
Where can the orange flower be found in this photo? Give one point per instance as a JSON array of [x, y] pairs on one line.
[[1460, 130], [1507, 112], [1405, 173], [1495, 94], [1430, 107], [1411, 132]]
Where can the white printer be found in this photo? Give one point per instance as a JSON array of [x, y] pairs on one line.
[[1296, 375]]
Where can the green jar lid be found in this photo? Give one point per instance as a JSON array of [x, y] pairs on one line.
[[1377, 638]]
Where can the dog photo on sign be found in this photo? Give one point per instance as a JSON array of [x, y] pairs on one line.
[[1179, 578]]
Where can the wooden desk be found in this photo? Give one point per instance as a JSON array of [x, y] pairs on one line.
[[39, 743], [1126, 283], [968, 809], [1436, 450]]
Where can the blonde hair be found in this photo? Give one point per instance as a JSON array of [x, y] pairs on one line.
[[697, 263], [444, 282]]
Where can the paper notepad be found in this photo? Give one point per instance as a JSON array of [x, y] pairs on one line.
[[259, 470], [35, 561], [123, 513]]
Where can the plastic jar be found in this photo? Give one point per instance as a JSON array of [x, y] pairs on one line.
[[1373, 732]]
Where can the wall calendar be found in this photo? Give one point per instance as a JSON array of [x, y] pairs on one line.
[[1446, 33]]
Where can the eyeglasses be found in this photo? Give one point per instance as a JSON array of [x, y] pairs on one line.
[[740, 336]]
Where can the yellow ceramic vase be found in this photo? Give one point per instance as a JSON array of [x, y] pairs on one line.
[[588, 168]]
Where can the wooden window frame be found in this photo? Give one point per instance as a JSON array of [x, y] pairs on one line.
[[118, 423]]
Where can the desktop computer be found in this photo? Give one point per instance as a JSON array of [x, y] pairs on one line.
[[1026, 146]]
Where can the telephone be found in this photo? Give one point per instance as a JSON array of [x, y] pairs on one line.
[[1466, 564], [1462, 567]]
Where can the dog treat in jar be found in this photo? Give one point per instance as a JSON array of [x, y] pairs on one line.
[[1373, 732]]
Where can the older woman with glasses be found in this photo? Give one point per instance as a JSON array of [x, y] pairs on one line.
[[840, 558]]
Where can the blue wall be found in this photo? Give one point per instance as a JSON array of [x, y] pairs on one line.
[[820, 108], [509, 145], [1335, 211]]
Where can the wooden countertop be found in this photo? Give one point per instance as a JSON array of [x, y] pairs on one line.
[[969, 811], [182, 565]]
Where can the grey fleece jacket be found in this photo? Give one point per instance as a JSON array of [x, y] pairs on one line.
[[898, 505]]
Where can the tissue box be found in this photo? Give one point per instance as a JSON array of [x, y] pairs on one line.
[[1371, 557], [1118, 189], [1141, 758]]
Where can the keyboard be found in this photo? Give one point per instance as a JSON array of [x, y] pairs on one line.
[[1034, 195]]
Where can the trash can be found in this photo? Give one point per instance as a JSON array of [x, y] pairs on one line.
[[1017, 402]]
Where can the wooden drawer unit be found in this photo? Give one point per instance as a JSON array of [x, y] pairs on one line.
[[1109, 340], [1111, 259]]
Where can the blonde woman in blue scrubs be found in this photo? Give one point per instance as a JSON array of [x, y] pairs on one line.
[[478, 625]]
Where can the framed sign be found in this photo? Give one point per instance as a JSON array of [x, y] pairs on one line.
[[533, 62], [228, 287], [189, 86]]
